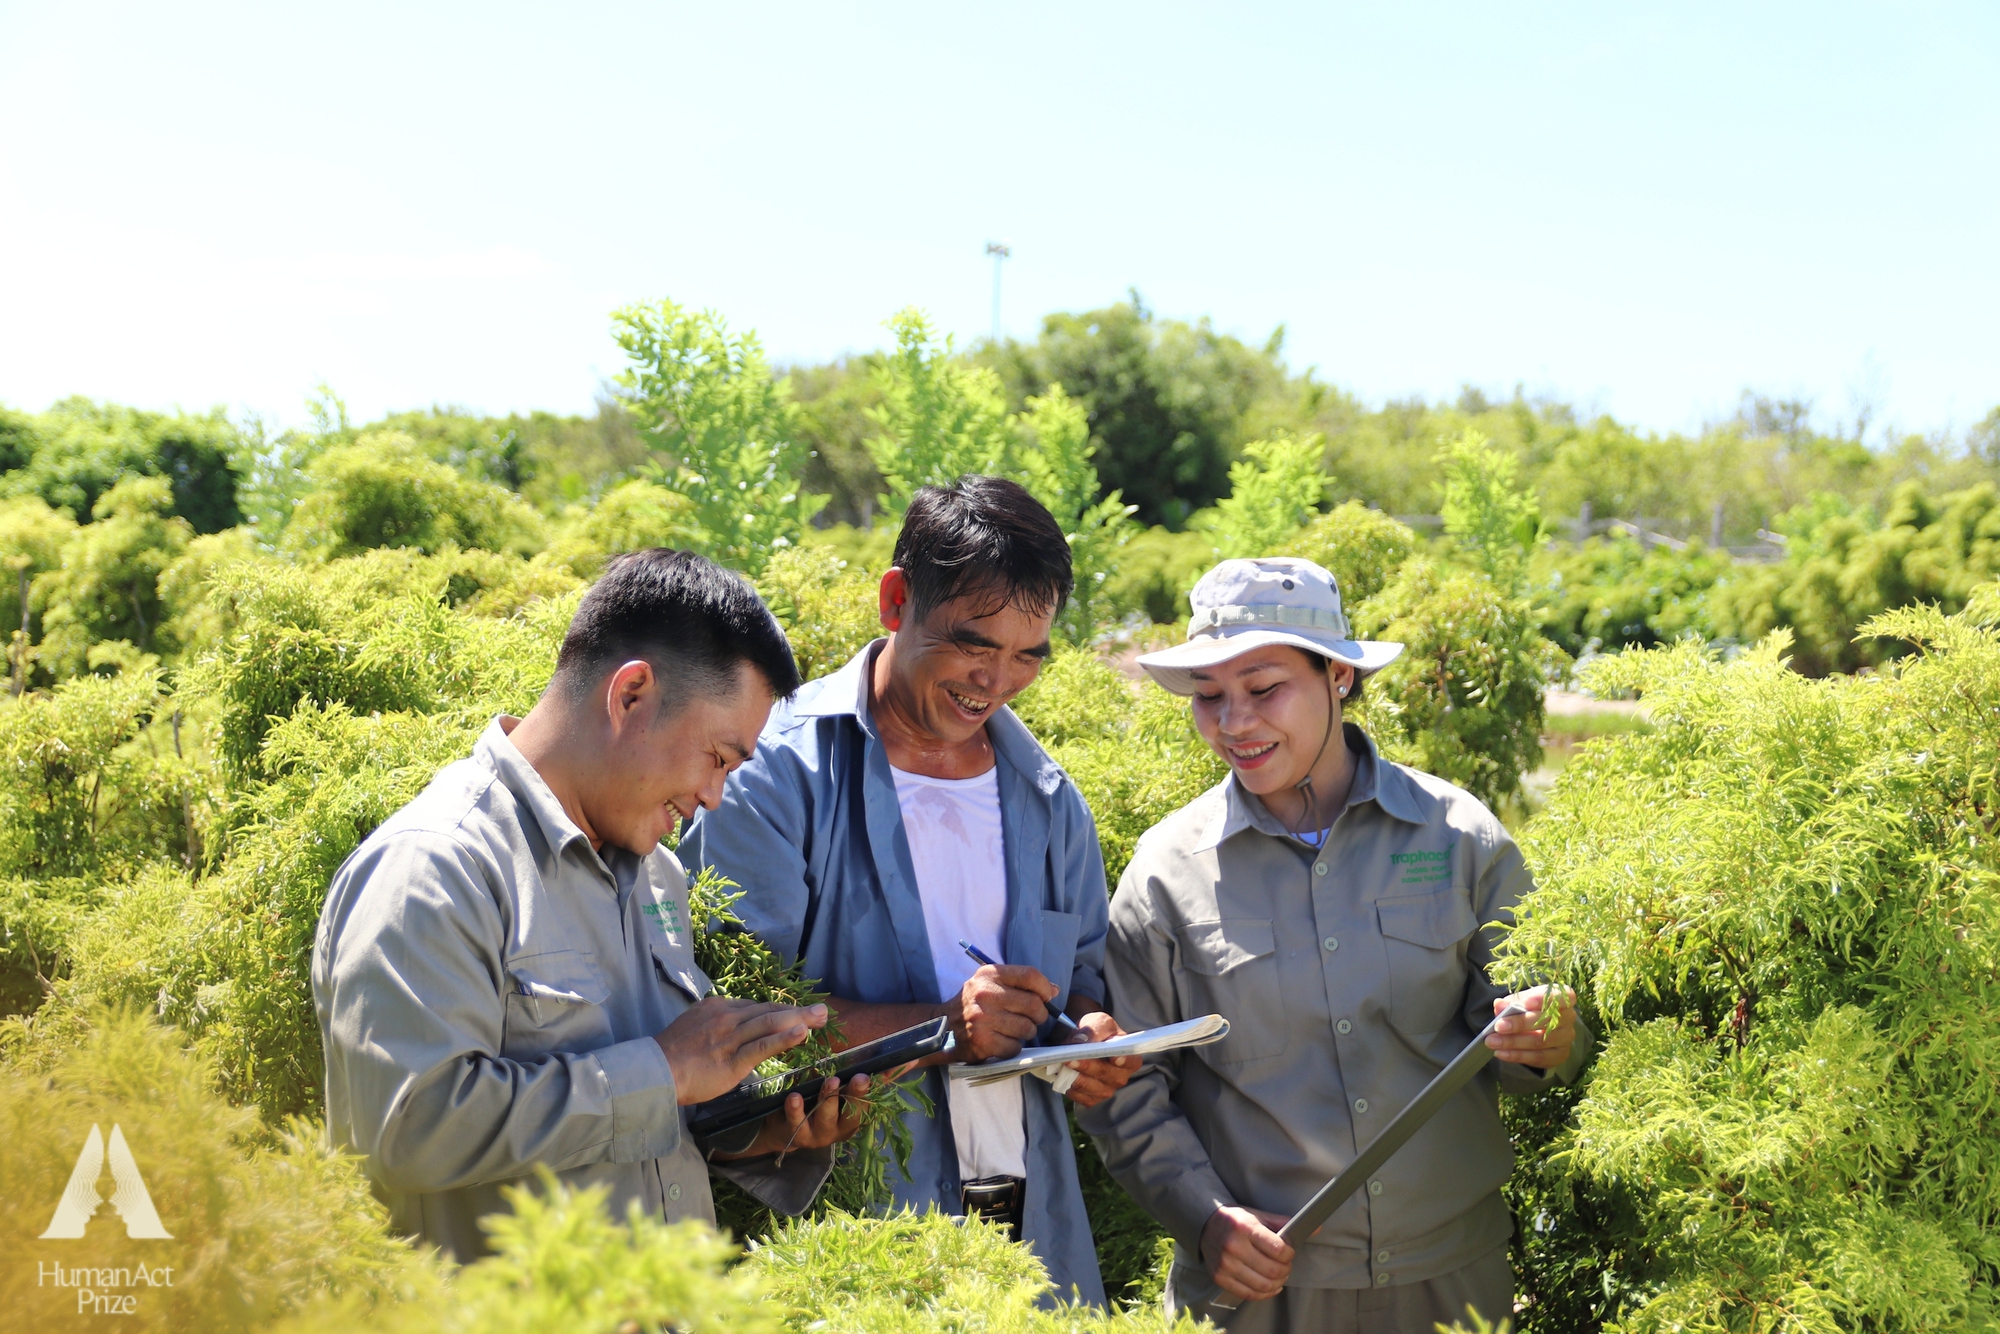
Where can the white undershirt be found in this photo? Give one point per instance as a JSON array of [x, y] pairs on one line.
[[953, 825]]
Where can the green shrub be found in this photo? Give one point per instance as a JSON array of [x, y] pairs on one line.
[[705, 398], [1611, 594], [827, 606], [1274, 490], [1782, 904], [1464, 700], [1362, 548], [919, 1273], [381, 491], [1840, 570], [107, 587], [263, 1223]]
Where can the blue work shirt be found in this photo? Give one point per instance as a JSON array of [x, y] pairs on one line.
[[811, 829]]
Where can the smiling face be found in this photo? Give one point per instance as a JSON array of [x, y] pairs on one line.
[[947, 673], [657, 771], [1265, 712]]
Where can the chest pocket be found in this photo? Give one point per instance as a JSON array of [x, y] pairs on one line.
[[1426, 936], [1230, 967], [675, 966], [555, 1002]]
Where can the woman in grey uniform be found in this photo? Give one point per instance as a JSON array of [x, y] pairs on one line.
[[1340, 911]]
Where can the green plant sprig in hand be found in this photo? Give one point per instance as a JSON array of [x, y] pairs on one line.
[[744, 968]]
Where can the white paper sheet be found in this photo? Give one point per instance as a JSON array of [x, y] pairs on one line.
[[1048, 1061]]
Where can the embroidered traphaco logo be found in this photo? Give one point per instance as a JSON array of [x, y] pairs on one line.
[[128, 1196]]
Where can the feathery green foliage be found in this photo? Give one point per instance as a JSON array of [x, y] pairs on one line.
[[1485, 512], [1056, 469], [827, 606], [264, 1223], [1360, 547], [1783, 904], [1273, 490], [707, 399], [939, 417], [381, 491], [1464, 700]]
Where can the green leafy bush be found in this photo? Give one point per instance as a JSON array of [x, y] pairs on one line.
[[1611, 593], [1464, 700], [1782, 904], [381, 491], [107, 587], [709, 403], [1840, 571], [1362, 548], [1274, 489], [264, 1222], [827, 605]]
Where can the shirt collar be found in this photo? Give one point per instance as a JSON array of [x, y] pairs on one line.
[[1375, 779], [845, 693], [530, 789]]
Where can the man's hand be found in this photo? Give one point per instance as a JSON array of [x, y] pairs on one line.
[[1522, 1038], [791, 1128], [1244, 1253], [717, 1042], [1098, 1080], [999, 1008]]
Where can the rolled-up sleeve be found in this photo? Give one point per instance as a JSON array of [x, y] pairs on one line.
[[414, 995], [1145, 1140], [1503, 881]]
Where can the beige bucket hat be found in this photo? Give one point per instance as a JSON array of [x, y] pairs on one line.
[[1245, 604]]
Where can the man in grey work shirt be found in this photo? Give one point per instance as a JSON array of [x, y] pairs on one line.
[[503, 973]]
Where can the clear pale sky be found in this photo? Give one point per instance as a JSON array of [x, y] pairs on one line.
[[1644, 209]]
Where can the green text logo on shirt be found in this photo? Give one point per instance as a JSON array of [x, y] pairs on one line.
[[666, 916], [1422, 868]]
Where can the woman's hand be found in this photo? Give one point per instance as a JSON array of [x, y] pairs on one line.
[[1523, 1038], [1097, 1080], [1244, 1253]]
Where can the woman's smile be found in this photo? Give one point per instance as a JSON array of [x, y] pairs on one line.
[[1251, 756]]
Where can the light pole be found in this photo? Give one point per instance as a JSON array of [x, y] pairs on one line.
[[999, 253]]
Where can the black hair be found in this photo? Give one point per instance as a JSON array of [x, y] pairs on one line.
[[1321, 664], [982, 534], [692, 620]]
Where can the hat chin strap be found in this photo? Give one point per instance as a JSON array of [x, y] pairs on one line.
[[1304, 786]]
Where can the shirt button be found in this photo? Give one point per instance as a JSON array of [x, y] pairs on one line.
[[1381, 1280], [1343, 1027], [1375, 1187], [1332, 943], [1361, 1104], [1319, 868], [674, 1191], [1381, 1257]]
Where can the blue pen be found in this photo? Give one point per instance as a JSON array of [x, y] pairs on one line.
[[979, 956]]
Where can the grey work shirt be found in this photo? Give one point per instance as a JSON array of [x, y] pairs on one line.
[[1350, 976], [488, 987]]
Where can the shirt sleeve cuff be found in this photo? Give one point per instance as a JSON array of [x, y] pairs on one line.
[[645, 1112], [1190, 1202]]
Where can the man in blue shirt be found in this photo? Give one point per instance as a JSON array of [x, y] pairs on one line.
[[897, 808]]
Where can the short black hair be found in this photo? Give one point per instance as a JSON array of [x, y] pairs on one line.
[[692, 620], [982, 534]]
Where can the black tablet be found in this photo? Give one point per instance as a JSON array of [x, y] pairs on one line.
[[756, 1099]]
